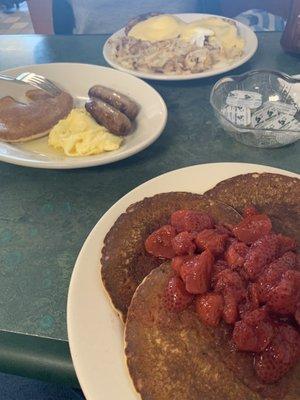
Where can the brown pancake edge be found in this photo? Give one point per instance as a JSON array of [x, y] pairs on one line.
[[124, 261], [20, 122], [276, 195], [175, 356]]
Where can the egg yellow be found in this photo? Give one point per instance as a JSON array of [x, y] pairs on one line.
[[160, 27], [80, 135]]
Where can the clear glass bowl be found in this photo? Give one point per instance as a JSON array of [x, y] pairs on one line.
[[274, 87]]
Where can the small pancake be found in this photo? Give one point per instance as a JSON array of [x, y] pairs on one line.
[[125, 261], [175, 356], [276, 195], [21, 122]]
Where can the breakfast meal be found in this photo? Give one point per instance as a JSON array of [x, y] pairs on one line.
[[209, 288], [107, 117], [21, 122], [162, 43]]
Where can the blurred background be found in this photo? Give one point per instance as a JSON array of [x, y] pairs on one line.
[[106, 16]]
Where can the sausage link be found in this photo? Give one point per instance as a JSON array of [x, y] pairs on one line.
[[118, 100], [106, 115]]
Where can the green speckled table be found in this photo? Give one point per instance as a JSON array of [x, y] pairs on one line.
[[45, 216]]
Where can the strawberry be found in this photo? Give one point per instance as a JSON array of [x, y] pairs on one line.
[[235, 254], [183, 243], [286, 244], [218, 266], [196, 272], [159, 243], [210, 239], [209, 308], [191, 221], [229, 280], [280, 355], [272, 274], [230, 284], [253, 228], [249, 211], [176, 298], [262, 252], [283, 298], [251, 301], [254, 317], [249, 337], [178, 261], [230, 310], [253, 295], [297, 313]]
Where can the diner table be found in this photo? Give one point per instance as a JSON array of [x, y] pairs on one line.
[[45, 215]]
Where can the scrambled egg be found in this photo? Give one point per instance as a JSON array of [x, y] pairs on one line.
[[80, 135]]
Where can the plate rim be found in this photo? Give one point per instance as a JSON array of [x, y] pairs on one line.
[[247, 168], [200, 75], [86, 163]]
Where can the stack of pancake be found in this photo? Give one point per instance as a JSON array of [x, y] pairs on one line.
[[174, 356]]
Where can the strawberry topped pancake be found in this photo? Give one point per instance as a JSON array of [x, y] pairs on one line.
[[125, 260], [220, 319]]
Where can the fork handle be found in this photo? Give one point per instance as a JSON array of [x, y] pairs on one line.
[[7, 78]]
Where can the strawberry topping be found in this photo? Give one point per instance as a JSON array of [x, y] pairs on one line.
[[279, 356], [283, 298], [196, 272], [245, 275], [183, 243], [262, 252], [159, 243], [209, 308], [176, 297], [235, 254], [191, 221], [249, 211], [210, 239], [253, 228]]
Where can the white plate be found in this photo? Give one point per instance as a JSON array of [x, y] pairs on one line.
[[246, 33], [94, 329], [77, 79]]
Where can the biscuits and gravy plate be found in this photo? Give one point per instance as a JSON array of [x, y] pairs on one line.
[[180, 46], [101, 116], [95, 330]]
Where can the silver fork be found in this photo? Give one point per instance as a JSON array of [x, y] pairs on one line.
[[35, 80]]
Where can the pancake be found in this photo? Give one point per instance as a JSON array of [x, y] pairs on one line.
[[274, 194], [21, 122], [175, 356], [125, 261]]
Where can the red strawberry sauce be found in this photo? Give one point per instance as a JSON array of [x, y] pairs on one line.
[[245, 275]]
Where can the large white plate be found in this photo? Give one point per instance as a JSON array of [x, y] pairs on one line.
[[94, 328], [246, 33], [77, 79]]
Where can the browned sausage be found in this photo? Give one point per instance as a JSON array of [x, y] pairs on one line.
[[118, 100], [108, 116]]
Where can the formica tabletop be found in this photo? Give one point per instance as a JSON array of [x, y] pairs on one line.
[[45, 215]]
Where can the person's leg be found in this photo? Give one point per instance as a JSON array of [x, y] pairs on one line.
[[63, 17]]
